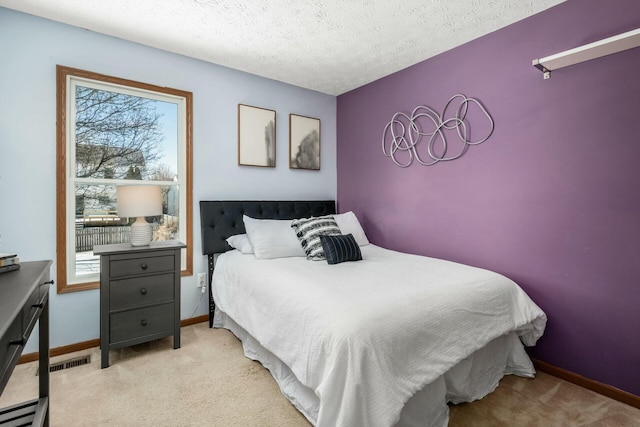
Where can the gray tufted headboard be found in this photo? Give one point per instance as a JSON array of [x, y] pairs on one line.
[[220, 219]]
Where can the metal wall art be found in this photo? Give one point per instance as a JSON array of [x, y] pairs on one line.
[[402, 135]]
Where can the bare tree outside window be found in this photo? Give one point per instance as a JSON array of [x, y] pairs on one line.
[[117, 136], [116, 133]]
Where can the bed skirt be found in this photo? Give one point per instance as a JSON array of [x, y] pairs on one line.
[[469, 380]]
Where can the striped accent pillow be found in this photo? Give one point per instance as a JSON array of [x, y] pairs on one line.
[[309, 231], [340, 248]]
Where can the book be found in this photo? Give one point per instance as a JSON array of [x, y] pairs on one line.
[[9, 261], [8, 268], [5, 256]]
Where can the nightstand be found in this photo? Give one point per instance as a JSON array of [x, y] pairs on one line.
[[139, 294]]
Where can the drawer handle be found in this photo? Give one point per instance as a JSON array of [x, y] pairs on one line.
[[143, 266], [143, 291], [20, 342], [143, 322], [39, 305], [50, 282]]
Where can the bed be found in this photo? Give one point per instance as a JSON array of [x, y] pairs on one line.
[[388, 340]]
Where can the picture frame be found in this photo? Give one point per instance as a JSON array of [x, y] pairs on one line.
[[304, 142], [256, 136]]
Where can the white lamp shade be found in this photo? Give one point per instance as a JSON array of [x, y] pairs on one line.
[[139, 200]]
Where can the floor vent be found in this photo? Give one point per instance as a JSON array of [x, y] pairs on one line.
[[69, 363]]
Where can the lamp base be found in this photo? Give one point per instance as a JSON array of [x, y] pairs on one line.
[[141, 233]]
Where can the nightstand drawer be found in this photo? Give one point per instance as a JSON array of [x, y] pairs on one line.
[[126, 293], [141, 265], [141, 322]]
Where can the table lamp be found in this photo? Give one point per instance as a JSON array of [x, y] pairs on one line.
[[139, 201]]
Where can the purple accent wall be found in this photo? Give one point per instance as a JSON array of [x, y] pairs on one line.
[[551, 200]]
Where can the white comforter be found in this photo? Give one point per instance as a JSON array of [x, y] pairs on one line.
[[365, 336]]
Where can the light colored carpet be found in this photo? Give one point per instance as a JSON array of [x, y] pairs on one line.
[[209, 382]]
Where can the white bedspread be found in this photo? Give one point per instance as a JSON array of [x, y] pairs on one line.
[[367, 335]]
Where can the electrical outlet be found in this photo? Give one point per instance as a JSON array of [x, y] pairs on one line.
[[202, 280]]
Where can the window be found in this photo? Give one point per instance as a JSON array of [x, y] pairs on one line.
[[112, 131]]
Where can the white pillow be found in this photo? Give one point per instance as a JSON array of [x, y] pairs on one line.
[[272, 238], [240, 242], [349, 224]]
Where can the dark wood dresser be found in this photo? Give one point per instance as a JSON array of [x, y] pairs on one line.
[[24, 299], [139, 294]]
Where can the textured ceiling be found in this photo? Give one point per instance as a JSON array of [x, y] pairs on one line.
[[330, 46]]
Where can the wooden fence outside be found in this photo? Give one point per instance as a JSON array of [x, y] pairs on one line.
[[87, 238]]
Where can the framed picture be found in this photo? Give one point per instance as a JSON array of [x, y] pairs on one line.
[[304, 142], [256, 136]]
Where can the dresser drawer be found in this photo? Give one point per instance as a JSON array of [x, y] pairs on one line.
[[8, 350], [141, 322], [127, 293], [142, 265], [45, 285], [30, 312], [24, 322]]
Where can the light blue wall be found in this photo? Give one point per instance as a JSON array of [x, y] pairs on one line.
[[30, 48]]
